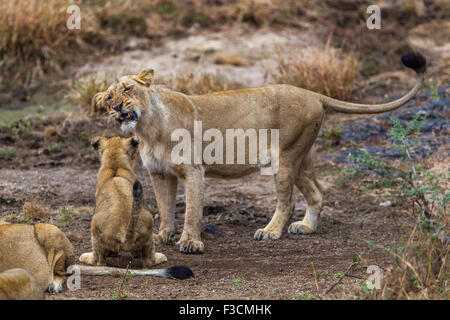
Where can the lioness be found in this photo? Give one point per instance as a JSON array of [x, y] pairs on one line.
[[42, 250], [120, 223], [154, 112]]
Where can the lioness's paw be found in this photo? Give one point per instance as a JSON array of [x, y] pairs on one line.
[[88, 258], [300, 228], [163, 237], [262, 234], [191, 246]]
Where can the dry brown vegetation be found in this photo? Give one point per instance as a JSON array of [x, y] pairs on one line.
[[84, 90], [199, 83], [35, 41], [327, 71], [34, 210]]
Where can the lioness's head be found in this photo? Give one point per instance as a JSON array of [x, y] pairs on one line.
[[116, 152], [126, 99]]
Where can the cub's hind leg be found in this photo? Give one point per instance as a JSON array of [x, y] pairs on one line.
[[145, 233], [97, 257]]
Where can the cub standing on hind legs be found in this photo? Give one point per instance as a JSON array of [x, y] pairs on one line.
[[120, 223]]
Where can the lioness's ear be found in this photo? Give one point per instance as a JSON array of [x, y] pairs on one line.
[[145, 77], [96, 142], [98, 102]]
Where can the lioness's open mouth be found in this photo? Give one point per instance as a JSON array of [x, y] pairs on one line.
[[129, 116]]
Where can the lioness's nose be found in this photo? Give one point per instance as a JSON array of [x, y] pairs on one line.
[[118, 107]]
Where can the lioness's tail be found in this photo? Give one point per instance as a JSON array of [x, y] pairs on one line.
[[138, 199], [174, 272], [413, 60]]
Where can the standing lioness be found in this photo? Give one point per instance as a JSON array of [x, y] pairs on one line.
[[155, 113]]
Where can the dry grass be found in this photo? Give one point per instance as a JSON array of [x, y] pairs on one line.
[[34, 39], [421, 268], [34, 210], [327, 71], [199, 83], [84, 90]]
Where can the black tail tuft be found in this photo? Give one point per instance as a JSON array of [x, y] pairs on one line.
[[137, 189], [416, 61], [179, 272]]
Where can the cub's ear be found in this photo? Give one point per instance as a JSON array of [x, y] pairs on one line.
[[134, 141], [145, 77], [131, 146], [96, 142]]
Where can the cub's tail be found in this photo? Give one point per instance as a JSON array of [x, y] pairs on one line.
[[138, 199], [174, 272], [413, 60]]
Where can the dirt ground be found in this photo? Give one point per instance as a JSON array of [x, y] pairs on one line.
[[57, 170], [49, 160]]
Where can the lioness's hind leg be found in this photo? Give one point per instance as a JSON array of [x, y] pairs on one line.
[[307, 183], [284, 183]]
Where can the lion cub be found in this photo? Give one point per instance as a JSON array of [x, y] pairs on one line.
[[19, 284], [42, 250], [120, 223]]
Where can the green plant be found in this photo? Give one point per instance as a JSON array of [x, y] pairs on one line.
[[420, 263], [434, 93], [120, 292], [237, 283], [66, 216], [8, 153], [17, 218], [305, 295]]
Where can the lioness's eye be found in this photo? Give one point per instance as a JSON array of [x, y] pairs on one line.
[[127, 89], [109, 97]]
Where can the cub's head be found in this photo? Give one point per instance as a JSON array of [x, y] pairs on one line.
[[116, 152], [126, 99]]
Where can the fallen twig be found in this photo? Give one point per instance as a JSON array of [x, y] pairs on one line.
[[315, 277], [346, 273]]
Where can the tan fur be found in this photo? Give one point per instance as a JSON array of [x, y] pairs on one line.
[[120, 223], [43, 250], [19, 284], [296, 112]]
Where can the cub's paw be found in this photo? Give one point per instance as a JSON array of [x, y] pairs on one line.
[[160, 258], [300, 228], [88, 258], [191, 246], [55, 287], [262, 234]]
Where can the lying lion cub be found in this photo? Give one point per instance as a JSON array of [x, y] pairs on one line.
[[42, 250], [19, 284], [120, 223]]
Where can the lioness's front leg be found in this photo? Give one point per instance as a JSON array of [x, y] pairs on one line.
[[165, 188], [190, 241]]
